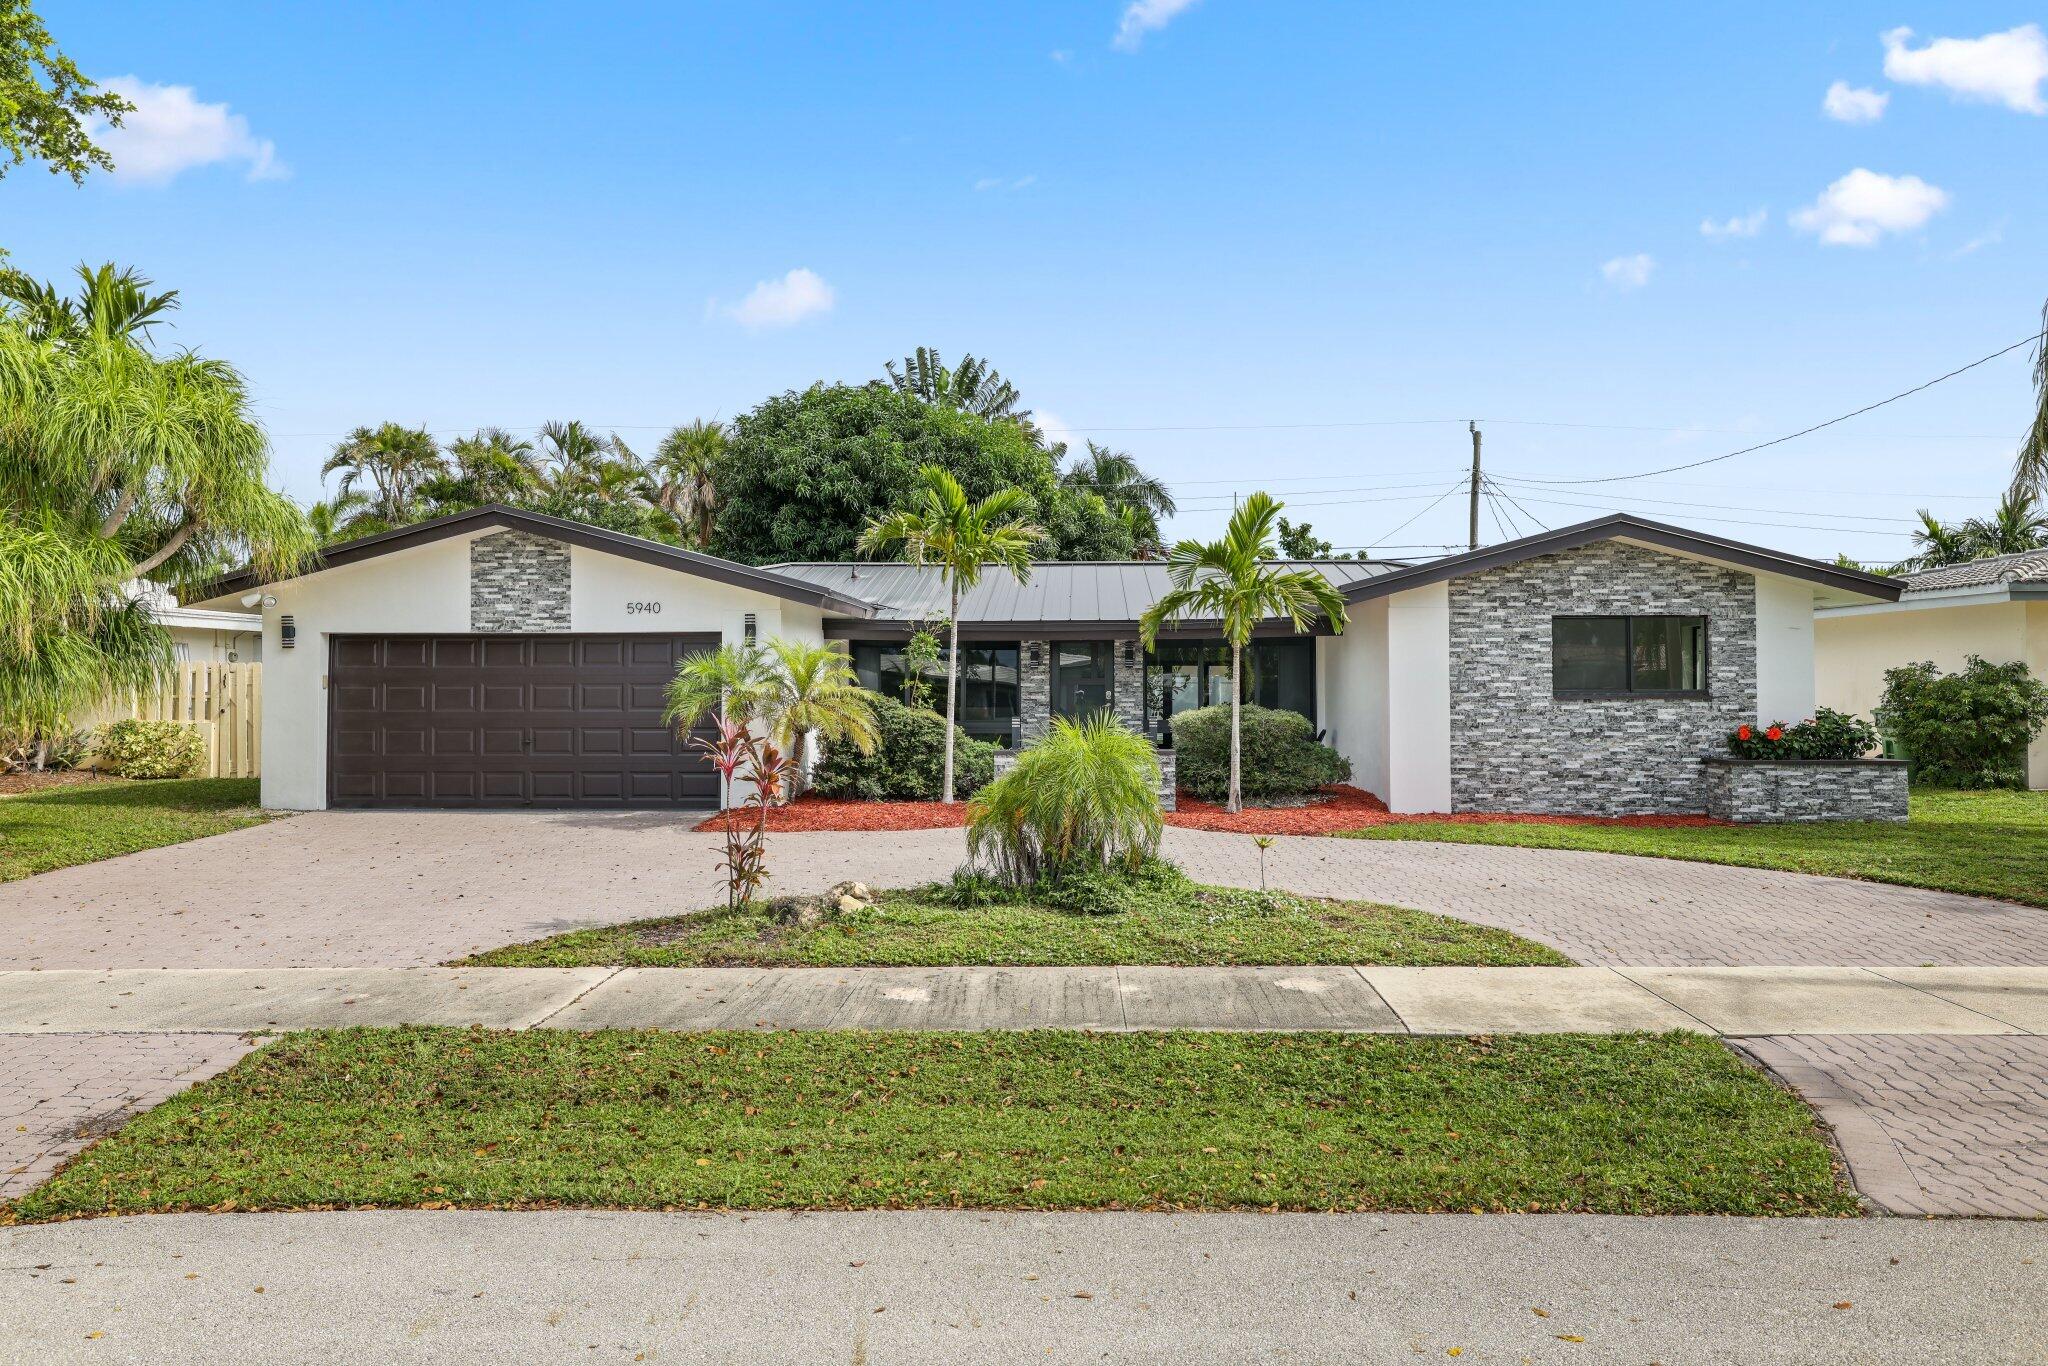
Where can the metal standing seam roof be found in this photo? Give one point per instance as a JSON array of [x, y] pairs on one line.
[[2028, 566], [1058, 591]]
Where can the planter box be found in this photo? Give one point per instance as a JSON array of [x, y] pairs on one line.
[[1772, 791]]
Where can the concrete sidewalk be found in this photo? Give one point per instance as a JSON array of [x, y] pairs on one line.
[[1735, 1002]]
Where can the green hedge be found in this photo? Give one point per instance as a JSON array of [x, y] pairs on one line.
[[1278, 757], [908, 764], [1967, 729], [152, 749]]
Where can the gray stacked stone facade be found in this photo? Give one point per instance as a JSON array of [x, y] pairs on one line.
[[1034, 685], [518, 582], [1516, 747], [1761, 791]]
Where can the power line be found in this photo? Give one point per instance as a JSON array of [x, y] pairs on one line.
[[1524, 511], [1807, 431], [1735, 507], [1419, 516], [1736, 521]]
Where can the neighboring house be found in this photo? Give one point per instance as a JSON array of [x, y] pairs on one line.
[[202, 636], [500, 657], [1995, 607]]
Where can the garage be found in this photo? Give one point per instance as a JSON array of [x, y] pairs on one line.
[[556, 720]]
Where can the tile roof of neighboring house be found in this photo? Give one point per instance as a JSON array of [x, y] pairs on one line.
[[1058, 591], [2029, 566]]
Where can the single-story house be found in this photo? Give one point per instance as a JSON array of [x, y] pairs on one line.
[[502, 658], [1995, 607], [205, 635]]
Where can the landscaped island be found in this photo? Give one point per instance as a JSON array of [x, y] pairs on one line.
[[1164, 921], [1625, 1124]]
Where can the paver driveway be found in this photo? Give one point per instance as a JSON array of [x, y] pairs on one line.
[[343, 889]]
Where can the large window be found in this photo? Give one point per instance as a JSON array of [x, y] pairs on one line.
[[1181, 675], [988, 682], [1604, 656], [1083, 681]]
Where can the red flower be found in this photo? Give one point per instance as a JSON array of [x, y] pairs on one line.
[[1742, 732], [1775, 733]]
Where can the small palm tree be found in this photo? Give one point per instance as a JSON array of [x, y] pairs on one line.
[[942, 527], [732, 684], [1121, 483], [2017, 524], [679, 480], [819, 697], [1233, 582], [573, 453], [338, 517]]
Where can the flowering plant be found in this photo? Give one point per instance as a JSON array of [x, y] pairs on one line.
[[1827, 734], [737, 753]]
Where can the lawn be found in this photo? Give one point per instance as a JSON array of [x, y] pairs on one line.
[[1981, 843], [1187, 925], [1625, 1124], [62, 826]]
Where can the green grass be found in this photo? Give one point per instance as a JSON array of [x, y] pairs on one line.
[[1186, 926], [69, 825], [1981, 843], [1634, 1124]]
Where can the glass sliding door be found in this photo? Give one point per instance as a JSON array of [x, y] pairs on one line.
[[1181, 675]]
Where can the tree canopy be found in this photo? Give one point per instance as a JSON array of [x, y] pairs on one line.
[[46, 101], [805, 471]]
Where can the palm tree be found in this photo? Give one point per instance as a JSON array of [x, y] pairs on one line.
[[395, 461], [2017, 524], [496, 466], [941, 527], [973, 386], [1233, 581], [681, 478], [573, 454], [1936, 544], [2030, 466], [819, 697], [340, 517], [1138, 498], [112, 304]]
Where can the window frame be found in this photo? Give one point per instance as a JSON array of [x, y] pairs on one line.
[[1628, 657]]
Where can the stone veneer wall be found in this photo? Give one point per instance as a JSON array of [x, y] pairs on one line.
[[1751, 791], [1515, 747], [518, 582]]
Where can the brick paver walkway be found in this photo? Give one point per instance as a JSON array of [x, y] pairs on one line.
[[1929, 1125], [58, 1092], [346, 889]]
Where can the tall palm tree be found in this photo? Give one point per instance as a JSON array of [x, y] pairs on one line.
[[393, 460], [496, 466], [1935, 543], [941, 527], [2017, 524], [973, 386], [112, 304], [681, 478], [572, 454], [2030, 466], [1233, 582], [1138, 498]]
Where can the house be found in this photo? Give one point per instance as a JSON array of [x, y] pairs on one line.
[[1995, 607], [205, 636], [499, 657]]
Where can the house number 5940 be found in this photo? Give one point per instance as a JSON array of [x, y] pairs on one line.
[[634, 609]]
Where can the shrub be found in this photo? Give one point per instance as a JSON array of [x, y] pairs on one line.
[[1279, 754], [152, 749], [53, 751], [908, 762], [1827, 734], [1967, 729], [1084, 797]]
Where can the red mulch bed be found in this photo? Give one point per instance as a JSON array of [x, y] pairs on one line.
[[1343, 808]]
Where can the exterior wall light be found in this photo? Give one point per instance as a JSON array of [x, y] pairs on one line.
[[751, 629], [288, 632]]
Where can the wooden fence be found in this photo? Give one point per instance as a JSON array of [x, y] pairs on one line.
[[224, 700]]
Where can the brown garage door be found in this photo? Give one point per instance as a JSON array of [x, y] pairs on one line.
[[555, 720]]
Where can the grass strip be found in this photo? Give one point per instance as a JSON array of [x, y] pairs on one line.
[[1625, 1124], [64, 826]]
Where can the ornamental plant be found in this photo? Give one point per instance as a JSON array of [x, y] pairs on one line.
[[152, 749], [1965, 729], [740, 755], [1082, 801], [1827, 734]]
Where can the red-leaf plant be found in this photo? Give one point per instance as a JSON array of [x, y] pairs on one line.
[[739, 754]]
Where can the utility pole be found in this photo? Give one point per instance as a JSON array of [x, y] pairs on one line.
[[1472, 539]]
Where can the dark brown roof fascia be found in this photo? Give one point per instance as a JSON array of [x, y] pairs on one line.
[[1635, 529]]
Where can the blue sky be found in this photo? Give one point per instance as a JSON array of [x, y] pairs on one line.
[[1283, 245]]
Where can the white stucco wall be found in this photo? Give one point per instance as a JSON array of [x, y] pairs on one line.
[[1351, 691], [425, 589], [1854, 648], [1418, 705], [1784, 649], [210, 645]]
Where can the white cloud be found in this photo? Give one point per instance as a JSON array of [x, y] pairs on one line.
[[997, 182], [1628, 272], [1863, 206], [1846, 103], [1144, 16], [170, 131], [1990, 237], [1062, 55], [785, 302], [1748, 225], [1999, 68]]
